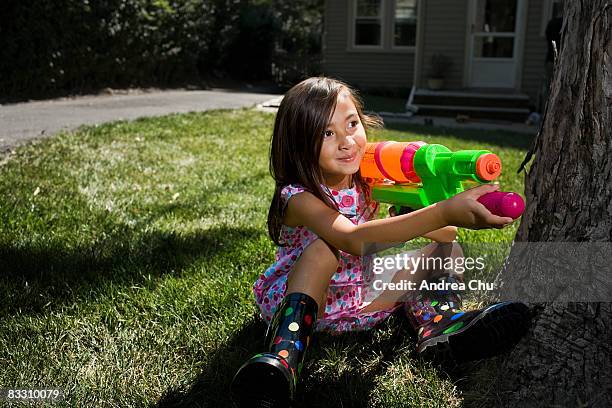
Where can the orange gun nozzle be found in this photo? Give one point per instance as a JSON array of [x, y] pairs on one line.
[[488, 167]]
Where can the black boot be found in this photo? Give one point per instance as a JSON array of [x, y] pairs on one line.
[[269, 379], [447, 333]]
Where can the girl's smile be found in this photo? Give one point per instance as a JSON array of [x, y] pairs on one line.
[[348, 159]]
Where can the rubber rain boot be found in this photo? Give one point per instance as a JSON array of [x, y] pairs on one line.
[[446, 332], [269, 379]]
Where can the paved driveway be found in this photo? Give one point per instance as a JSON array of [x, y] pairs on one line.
[[25, 121]]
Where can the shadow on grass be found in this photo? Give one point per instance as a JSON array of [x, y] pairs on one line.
[[211, 388], [322, 383], [37, 279], [500, 138], [368, 356]]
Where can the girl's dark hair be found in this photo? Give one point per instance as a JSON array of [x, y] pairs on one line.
[[303, 116]]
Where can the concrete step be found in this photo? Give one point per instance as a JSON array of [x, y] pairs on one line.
[[471, 98], [470, 101], [475, 103], [509, 114]]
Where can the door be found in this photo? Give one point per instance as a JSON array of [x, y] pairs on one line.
[[494, 48]]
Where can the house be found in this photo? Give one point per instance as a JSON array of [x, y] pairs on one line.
[[494, 51]]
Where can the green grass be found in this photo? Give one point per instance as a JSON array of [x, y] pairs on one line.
[[127, 255]]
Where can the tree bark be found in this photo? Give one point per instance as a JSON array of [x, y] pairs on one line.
[[565, 359]]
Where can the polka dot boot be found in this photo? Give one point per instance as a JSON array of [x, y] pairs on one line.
[[269, 379], [446, 332]]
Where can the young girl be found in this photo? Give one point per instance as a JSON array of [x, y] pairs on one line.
[[326, 227]]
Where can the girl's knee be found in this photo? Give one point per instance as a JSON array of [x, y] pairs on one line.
[[313, 269], [444, 256], [321, 255], [456, 250], [446, 249]]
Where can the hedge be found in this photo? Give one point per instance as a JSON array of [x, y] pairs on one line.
[[58, 46]]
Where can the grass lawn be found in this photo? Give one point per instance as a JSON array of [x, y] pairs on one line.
[[127, 255]]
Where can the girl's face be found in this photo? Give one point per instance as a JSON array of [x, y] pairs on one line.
[[344, 142]]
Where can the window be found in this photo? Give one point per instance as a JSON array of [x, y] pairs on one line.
[[494, 28], [493, 47], [405, 23], [389, 25], [496, 16], [368, 22]]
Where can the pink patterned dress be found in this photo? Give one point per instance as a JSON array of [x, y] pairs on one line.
[[348, 286]]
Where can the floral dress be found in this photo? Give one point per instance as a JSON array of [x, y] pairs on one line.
[[348, 287]]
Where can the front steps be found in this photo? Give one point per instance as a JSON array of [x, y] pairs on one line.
[[472, 104]]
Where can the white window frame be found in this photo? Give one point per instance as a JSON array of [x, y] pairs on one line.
[[353, 23], [392, 34], [547, 10], [387, 30]]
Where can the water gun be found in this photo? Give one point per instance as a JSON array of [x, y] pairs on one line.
[[417, 174]]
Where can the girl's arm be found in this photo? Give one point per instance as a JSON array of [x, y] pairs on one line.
[[461, 210], [375, 247], [306, 209], [446, 234]]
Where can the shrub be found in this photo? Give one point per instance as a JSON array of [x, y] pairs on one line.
[[61, 46]]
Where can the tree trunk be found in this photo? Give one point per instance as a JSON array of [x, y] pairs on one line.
[[565, 359]]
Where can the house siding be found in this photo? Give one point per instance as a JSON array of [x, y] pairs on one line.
[[442, 29], [444, 32], [364, 69], [534, 52]]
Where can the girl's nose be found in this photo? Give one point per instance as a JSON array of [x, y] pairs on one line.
[[346, 142]]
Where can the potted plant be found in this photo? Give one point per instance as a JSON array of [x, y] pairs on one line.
[[439, 66]]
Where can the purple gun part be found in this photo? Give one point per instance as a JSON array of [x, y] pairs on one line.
[[503, 204]]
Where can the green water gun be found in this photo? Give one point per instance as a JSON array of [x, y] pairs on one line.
[[417, 174]]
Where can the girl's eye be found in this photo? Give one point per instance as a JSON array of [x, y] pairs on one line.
[[328, 133], [353, 123]]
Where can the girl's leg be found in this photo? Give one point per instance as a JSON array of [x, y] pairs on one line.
[[312, 272], [389, 298], [270, 378], [446, 331]]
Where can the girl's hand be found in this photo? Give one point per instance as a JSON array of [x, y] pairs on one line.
[[463, 210]]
